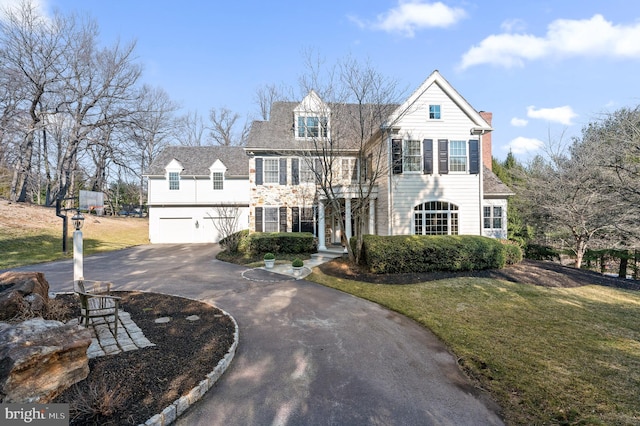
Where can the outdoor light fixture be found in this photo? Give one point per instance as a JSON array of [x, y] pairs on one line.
[[77, 220]]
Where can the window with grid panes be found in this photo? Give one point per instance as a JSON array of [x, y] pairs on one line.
[[435, 218], [174, 181], [458, 156], [271, 219], [218, 180], [271, 170], [413, 157]]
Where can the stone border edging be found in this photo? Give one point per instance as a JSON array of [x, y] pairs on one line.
[[180, 405]]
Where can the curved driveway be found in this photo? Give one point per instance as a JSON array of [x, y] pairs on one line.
[[308, 355]]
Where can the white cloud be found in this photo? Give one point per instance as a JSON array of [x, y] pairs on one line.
[[562, 115], [413, 15], [519, 122], [511, 25], [595, 37], [522, 145]]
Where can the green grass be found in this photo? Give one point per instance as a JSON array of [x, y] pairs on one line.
[[19, 247], [547, 355]]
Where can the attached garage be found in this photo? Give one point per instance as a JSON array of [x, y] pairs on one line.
[[175, 230]]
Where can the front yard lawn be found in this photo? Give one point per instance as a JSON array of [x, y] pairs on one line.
[[547, 355]]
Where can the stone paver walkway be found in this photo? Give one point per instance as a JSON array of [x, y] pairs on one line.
[[130, 336]]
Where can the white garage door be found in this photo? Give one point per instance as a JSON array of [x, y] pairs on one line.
[[176, 230]]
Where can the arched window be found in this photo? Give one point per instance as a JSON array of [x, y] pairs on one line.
[[435, 218]]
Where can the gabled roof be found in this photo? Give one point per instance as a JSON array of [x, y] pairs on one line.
[[448, 89], [492, 186], [197, 160]]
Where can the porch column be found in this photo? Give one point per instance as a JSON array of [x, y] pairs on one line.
[[321, 227], [347, 220], [372, 216]]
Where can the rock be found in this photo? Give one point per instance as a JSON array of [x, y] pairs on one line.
[[22, 291], [39, 359]]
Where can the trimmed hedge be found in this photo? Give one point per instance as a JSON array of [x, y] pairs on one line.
[[259, 243], [420, 253], [512, 252]]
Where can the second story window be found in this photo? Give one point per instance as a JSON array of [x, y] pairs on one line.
[[218, 180], [434, 112], [306, 172], [413, 157], [458, 156], [311, 127], [174, 181], [271, 171], [349, 169]]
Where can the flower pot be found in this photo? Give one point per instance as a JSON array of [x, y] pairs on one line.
[[268, 263], [297, 270]]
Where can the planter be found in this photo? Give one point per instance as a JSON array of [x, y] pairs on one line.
[[297, 270], [268, 263]]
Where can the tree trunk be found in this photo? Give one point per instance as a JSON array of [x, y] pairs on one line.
[[624, 262]]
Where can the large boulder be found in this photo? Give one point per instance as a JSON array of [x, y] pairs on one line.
[[22, 292], [39, 359]]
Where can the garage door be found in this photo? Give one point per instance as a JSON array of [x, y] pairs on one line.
[[175, 230]]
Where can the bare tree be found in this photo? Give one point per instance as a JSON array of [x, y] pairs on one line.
[[226, 223], [32, 47], [99, 92], [570, 194], [224, 127], [265, 97], [151, 129], [355, 103], [190, 129]]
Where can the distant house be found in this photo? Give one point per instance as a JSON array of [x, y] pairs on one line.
[[194, 192], [437, 149]]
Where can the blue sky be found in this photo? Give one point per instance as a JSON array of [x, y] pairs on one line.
[[544, 68]]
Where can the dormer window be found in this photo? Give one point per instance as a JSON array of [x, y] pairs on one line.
[[218, 180], [311, 126], [174, 181]]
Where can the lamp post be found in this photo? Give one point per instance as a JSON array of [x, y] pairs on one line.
[[77, 220]]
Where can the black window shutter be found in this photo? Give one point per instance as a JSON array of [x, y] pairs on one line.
[[396, 155], [295, 171], [427, 156], [474, 157], [295, 219], [258, 219], [258, 171], [283, 219], [443, 156], [283, 171]]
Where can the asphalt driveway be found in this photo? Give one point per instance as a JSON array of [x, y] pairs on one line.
[[308, 355]]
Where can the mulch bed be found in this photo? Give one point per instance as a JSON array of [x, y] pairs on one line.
[[131, 387], [547, 274]]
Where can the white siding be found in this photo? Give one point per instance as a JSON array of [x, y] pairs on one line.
[[187, 215], [410, 189]]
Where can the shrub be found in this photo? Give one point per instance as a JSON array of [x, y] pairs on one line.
[[418, 253], [232, 242], [269, 256], [278, 242], [512, 252], [297, 263], [540, 252]]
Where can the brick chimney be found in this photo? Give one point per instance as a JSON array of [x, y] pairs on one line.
[[486, 141]]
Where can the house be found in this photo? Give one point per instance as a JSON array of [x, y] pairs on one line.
[[195, 194], [433, 151]]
